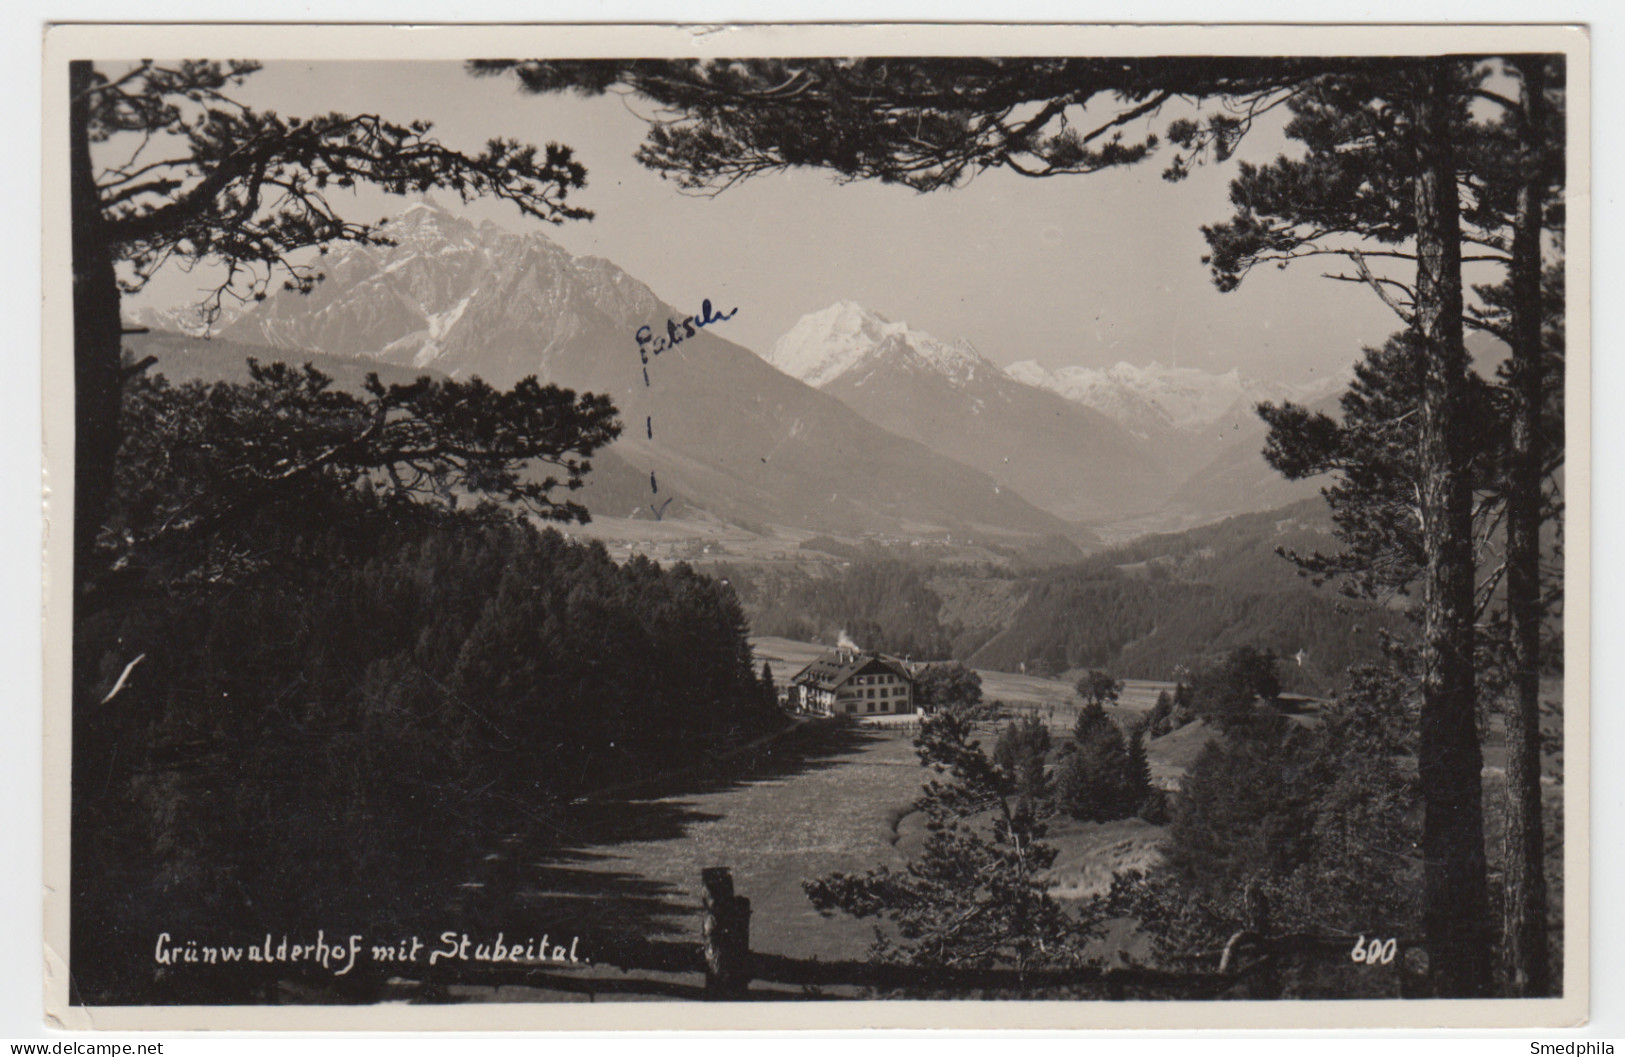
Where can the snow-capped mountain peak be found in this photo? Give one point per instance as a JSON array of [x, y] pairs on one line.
[[829, 344], [1157, 396], [444, 291]]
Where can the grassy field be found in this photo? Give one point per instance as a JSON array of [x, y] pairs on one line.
[[821, 800], [632, 867], [1088, 853], [626, 871], [815, 808], [827, 798]]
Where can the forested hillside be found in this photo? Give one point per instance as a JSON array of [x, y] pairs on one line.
[[312, 684], [1241, 551], [881, 605], [1138, 610], [1146, 630], [1143, 608]]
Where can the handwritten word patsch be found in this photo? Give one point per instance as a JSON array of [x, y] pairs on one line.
[[678, 331], [649, 344]]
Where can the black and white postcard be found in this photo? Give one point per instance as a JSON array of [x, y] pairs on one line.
[[802, 526]]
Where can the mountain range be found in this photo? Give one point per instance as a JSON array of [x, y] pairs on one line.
[[709, 423], [1064, 456], [1157, 446], [1158, 398], [1200, 424], [850, 424]]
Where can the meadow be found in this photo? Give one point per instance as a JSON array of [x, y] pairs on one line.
[[811, 804], [819, 799]]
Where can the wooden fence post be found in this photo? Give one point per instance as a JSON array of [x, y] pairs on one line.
[[1266, 982], [726, 934]]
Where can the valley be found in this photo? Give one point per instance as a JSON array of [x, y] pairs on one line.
[[1038, 594]]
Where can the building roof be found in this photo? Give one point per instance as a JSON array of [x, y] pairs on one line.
[[836, 668]]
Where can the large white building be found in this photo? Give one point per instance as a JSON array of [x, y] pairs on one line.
[[848, 682]]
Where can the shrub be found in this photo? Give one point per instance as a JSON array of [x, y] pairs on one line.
[[1021, 752], [1160, 720], [1096, 687], [978, 892], [1095, 781], [948, 685], [1154, 808]]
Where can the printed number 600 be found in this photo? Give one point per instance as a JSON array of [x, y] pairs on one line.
[[1378, 952]]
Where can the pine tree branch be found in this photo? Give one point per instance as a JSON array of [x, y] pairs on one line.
[[1371, 280]]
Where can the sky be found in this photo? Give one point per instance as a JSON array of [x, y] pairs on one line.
[[1076, 270]]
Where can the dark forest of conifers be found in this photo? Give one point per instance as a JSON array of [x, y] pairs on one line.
[[333, 731]]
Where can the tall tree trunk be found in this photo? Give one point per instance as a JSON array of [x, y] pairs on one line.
[[1525, 952], [1455, 900], [97, 341], [97, 378]]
